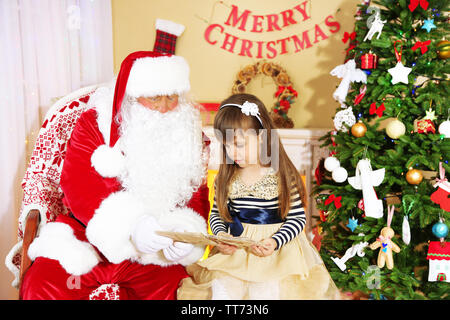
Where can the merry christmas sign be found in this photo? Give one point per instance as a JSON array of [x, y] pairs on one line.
[[243, 21]]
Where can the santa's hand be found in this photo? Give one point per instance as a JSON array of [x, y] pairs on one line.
[[145, 238], [177, 251]]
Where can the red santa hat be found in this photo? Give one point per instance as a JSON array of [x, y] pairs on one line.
[[144, 74], [152, 73], [147, 74]]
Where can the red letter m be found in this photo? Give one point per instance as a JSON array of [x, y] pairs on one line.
[[235, 18]]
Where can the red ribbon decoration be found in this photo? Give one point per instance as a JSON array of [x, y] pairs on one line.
[[350, 48], [336, 200], [282, 88], [280, 91], [360, 96], [414, 3], [397, 54], [378, 111], [348, 36], [291, 90], [422, 45]]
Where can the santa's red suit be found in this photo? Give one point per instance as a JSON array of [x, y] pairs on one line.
[[91, 253]]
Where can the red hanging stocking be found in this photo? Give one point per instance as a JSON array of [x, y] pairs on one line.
[[441, 195]]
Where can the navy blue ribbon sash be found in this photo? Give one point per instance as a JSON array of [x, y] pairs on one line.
[[253, 216]]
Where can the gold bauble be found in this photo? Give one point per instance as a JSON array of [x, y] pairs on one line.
[[395, 129], [443, 49], [359, 129], [414, 176]]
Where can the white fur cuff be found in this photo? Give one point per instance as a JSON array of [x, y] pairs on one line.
[[108, 162], [111, 226], [169, 27], [57, 241]]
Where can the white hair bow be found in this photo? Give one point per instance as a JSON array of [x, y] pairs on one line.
[[248, 108]]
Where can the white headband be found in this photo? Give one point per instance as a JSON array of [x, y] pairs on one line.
[[248, 108]]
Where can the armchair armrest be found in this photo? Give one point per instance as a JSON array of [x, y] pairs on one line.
[[31, 228]]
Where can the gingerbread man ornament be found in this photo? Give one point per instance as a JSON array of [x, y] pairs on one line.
[[385, 244]]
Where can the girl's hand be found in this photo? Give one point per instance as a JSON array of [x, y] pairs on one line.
[[265, 248], [226, 248]]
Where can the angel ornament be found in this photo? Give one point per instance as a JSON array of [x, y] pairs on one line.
[[366, 179], [348, 73], [374, 23], [385, 244]]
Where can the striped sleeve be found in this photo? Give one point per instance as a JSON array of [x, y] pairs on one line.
[[215, 221], [294, 224]]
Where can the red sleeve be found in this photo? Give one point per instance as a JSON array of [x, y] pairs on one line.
[[84, 189], [200, 201]]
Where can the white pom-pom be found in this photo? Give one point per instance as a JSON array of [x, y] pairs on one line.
[[331, 163], [108, 162], [339, 174], [444, 128]]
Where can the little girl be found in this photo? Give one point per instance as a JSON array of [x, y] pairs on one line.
[[263, 201]]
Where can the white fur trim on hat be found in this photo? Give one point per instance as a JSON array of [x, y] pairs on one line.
[[108, 161], [164, 75], [169, 27], [102, 100], [57, 241]]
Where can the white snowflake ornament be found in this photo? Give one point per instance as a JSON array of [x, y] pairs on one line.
[[344, 117]]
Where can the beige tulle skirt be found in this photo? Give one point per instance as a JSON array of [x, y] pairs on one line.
[[296, 271]]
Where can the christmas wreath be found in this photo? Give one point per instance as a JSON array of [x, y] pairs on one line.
[[285, 93]]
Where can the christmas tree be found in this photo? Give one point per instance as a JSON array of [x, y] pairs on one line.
[[392, 134]]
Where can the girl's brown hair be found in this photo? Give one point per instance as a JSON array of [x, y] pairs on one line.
[[232, 118]]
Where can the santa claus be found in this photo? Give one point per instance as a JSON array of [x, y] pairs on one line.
[[135, 164]]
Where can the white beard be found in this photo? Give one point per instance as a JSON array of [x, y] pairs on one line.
[[163, 155]]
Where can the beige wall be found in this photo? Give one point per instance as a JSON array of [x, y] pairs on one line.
[[213, 69]]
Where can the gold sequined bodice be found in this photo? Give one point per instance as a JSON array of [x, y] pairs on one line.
[[265, 188]]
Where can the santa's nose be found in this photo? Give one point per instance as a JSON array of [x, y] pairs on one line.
[[163, 104], [166, 104]]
